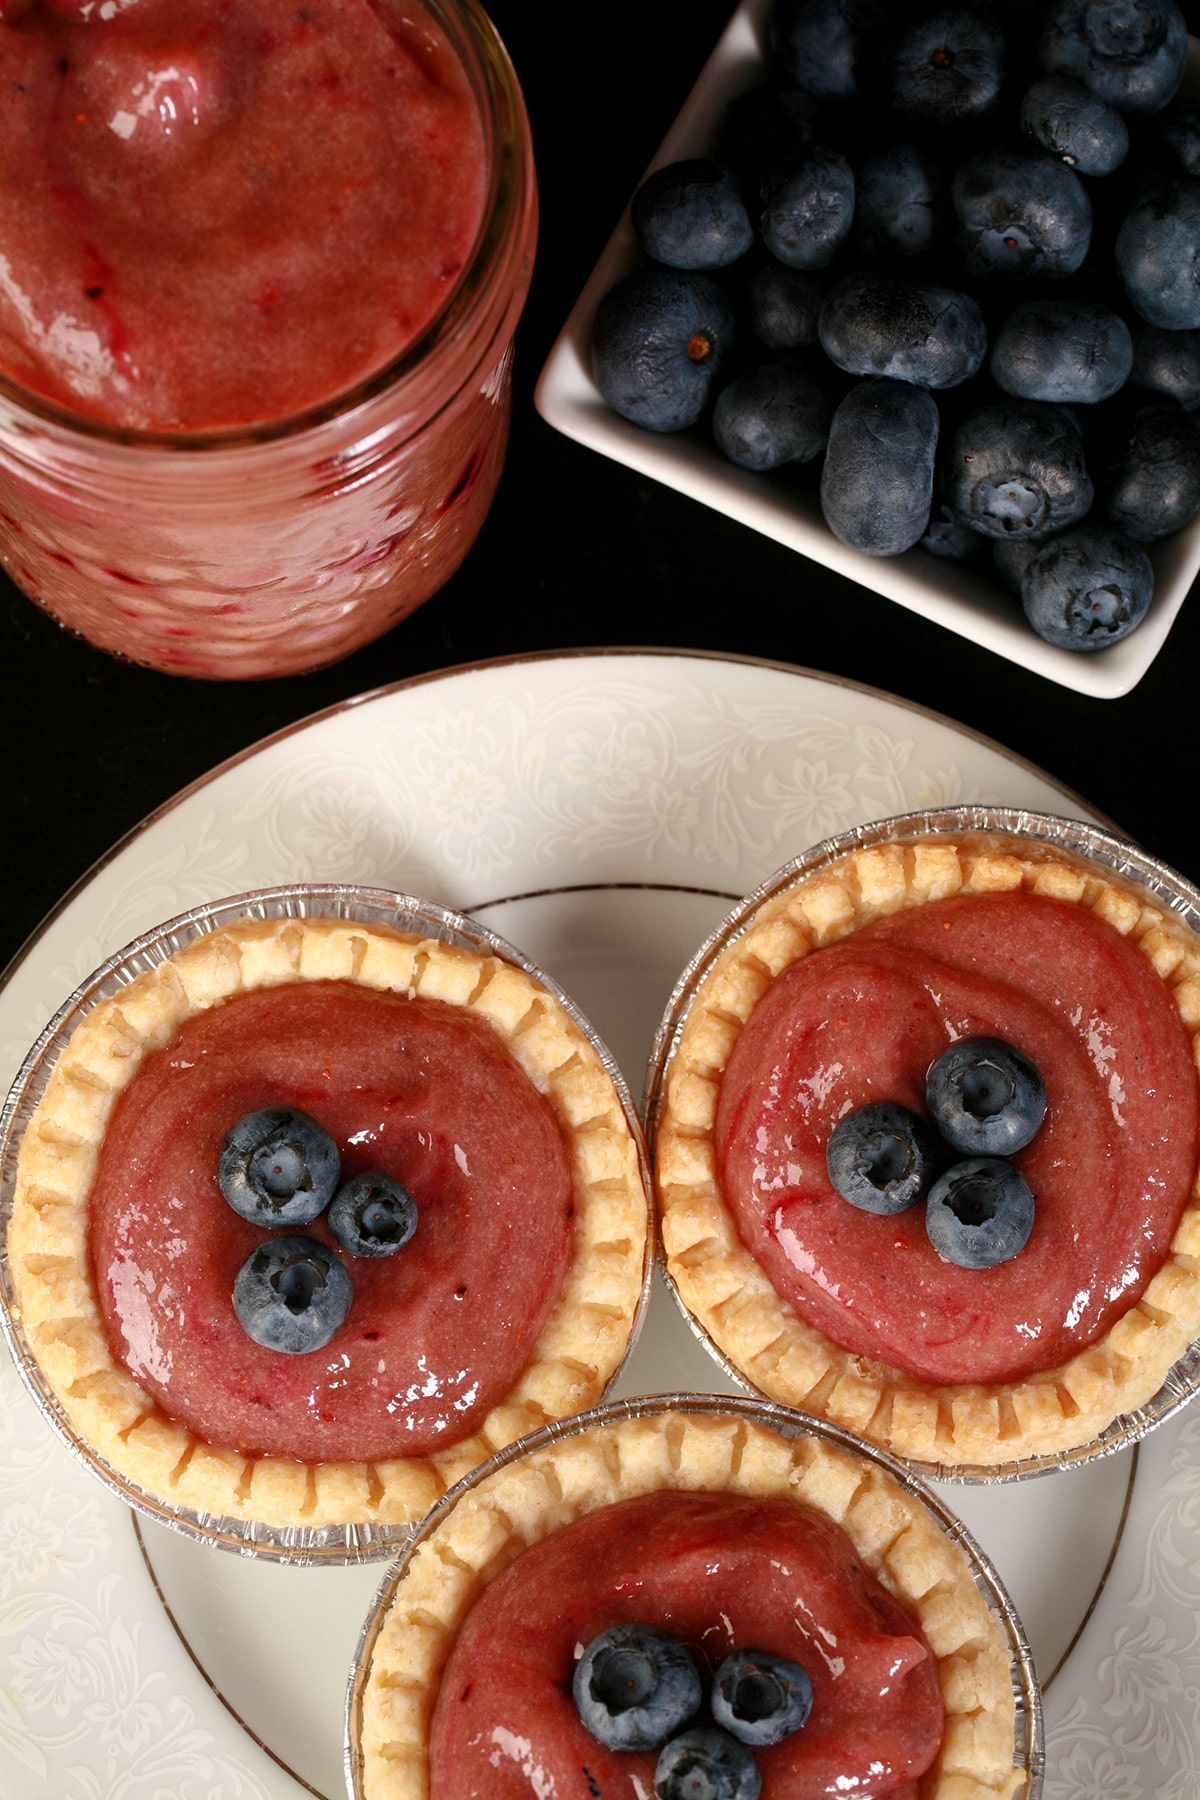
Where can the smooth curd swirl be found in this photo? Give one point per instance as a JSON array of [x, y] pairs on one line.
[[719, 1571], [1111, 1167], [437, 1334]]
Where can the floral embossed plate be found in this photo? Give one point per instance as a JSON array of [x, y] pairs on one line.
[[601, 811]]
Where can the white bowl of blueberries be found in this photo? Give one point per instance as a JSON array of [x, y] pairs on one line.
[[916, 291]]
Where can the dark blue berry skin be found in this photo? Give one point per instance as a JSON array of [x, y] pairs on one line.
[[1177, 130], [278, 1167], [1073, 124], [766, 127], [1087, 588], [1154, 489], [819, 45], [706, 1764], [881, 1157], [1011, 557], [1017, 470], [1065, 350], [1167, 363], [877, 480], [636, 1686], [784, 306], [659, 342], [1132, 53], [1021, 213], [880, 324], [946, 539], [1157, 253], [985, 1096], [372, 1215], [776, 413], [898, 211], [808, 208], [690, 215], [946, 68], [760, 1698], [979, 1213], [292, 1294]]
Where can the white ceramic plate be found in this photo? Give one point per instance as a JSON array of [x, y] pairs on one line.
[[958, 598], [600, 811]]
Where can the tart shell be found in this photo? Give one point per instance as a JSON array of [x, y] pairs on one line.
[[55, 1322], [973, 1430]]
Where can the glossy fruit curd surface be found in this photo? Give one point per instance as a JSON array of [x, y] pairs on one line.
[[720, 1572], [1111, 1167], [436, 1334], [212, 215]]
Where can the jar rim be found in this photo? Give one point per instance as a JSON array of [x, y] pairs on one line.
[[487, 66]]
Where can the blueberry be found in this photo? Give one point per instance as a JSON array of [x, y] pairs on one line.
[[947, 67], [947, 539], [1157, 253], [819, 44], [1087, 588], [1168, 363], [765, 126], [372, 1215], [635, 1686], [881, 1157], [877, 479], [1075, 125], [808, 208], [1071, 351], [1021, 213], [690, 215], [760, 1698], [985, 1097], [1177, 130], [659, 342], [706, 1764], [880, 324], [1132, 53], [1017, 470], [291, 1294], [776, 413], [1011, 557], [785, 305], [278, 1167], [979, 1213], [897, 210], [1155, 489]]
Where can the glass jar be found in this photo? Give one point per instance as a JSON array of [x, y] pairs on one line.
[[277, 548]]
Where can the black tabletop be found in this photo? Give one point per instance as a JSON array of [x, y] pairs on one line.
[[577, 551]]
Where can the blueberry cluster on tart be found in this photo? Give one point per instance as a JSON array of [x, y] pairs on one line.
[[832, 1000], [687, 1601], [315, 1214]]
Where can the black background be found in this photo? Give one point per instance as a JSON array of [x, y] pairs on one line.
[[577, 551]]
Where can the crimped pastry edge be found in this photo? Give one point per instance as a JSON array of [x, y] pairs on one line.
[[497, 1517], [579, 1350], [979, 1426]]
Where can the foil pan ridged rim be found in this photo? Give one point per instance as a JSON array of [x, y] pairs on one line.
[[1096, 843], [334, 1544], [1029, 1737]]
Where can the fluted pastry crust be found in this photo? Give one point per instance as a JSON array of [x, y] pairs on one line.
[[579, 1350], [727, 1290], [519, 1505]]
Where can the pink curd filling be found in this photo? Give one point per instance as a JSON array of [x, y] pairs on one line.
[[721, 1572], [436, 1334], [1111, 1167], [218, 214]]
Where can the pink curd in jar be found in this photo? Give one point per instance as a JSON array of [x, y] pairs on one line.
[[436, 1334], [720, 1572], [1111, 1167], [260, 267]]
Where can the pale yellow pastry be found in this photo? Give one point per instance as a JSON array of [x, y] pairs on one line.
[[448, 1067], [674, 1519], [839, 989]]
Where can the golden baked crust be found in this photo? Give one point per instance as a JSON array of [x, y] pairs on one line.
[[727, 1290], [524, 1502], [579, 1350]]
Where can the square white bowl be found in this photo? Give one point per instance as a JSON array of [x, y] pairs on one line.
[[962, 599]]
